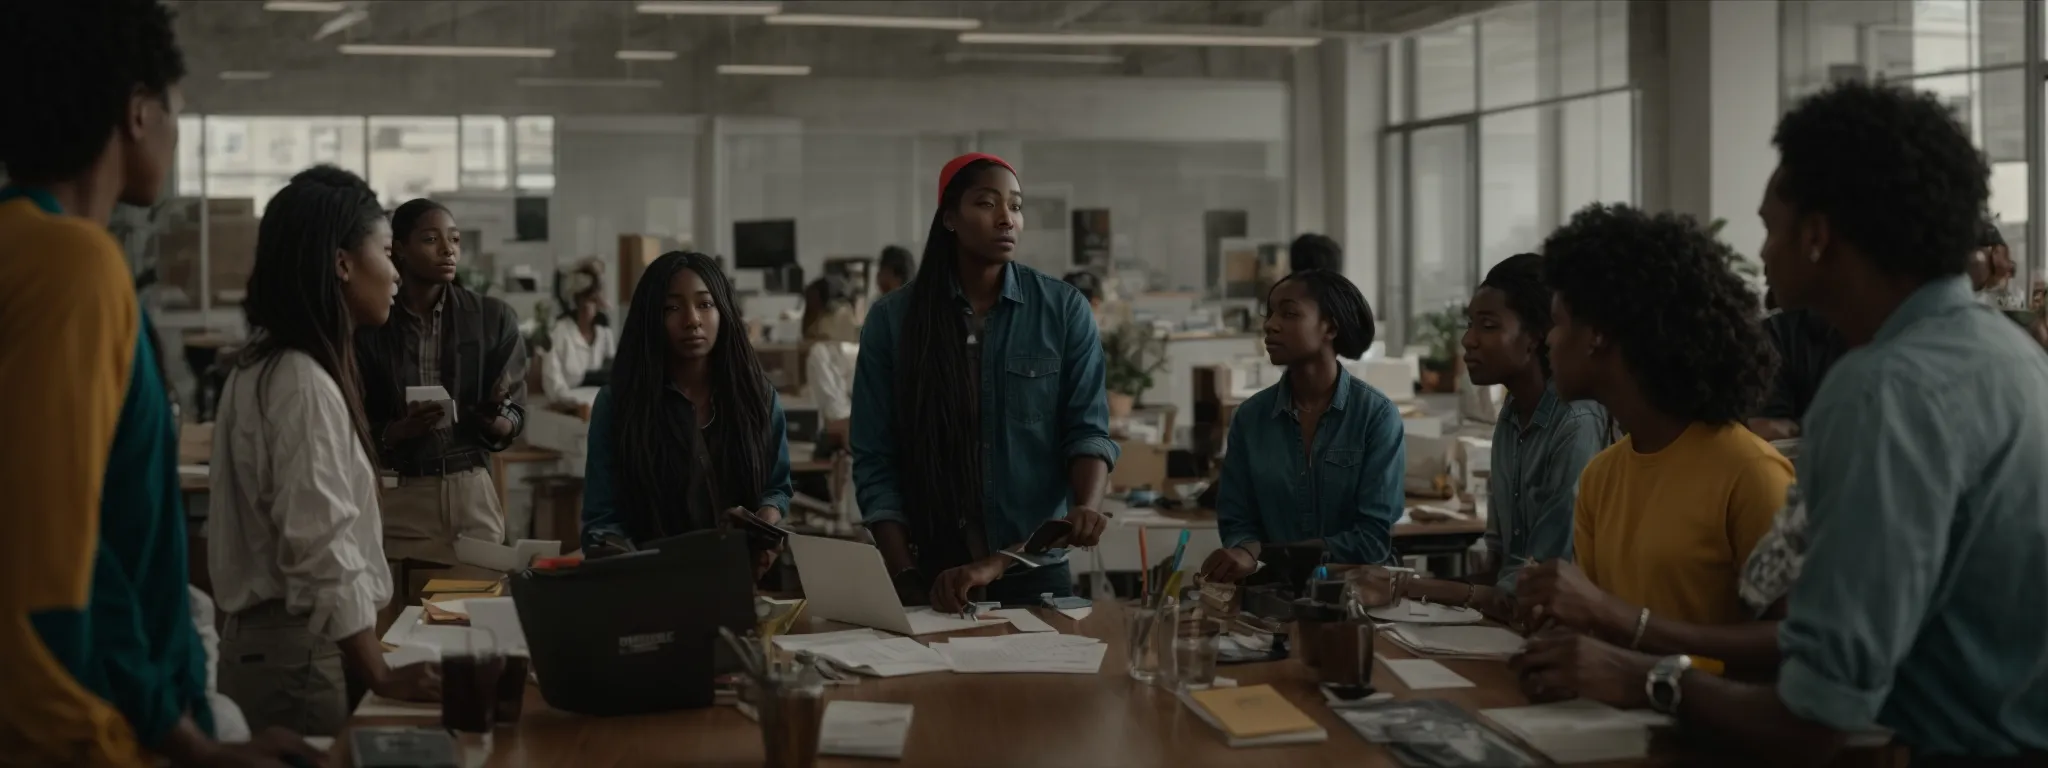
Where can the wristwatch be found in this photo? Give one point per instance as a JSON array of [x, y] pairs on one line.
[[1662, 685]]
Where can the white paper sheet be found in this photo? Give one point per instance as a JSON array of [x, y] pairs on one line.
[[864, 729], [377, 706], [925, 621], [433, 394], [1423, 674], [1024, 620], [814, 640], [1030, 653], [894, 657], [500, 617], [1458, 640], [498, 557], [408, 655]]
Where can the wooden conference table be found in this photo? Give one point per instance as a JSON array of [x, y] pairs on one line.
[[1058, 721]]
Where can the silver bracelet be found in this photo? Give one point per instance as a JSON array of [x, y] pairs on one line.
[[1642, 623]]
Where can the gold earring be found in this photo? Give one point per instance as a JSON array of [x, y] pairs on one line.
[[1814, 256]]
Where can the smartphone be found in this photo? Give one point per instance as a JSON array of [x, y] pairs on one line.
[[762, 535], [1051, 533]]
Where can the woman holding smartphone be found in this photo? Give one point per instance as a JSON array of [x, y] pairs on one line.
[[688, 435]]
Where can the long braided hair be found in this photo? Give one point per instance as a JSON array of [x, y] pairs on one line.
[[294, 299], [936, 400], [654, 454]]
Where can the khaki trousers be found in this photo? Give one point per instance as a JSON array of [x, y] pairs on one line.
[[423, 515], [281, 674]]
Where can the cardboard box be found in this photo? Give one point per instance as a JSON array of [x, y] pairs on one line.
[[1143, 465], [231, 246]]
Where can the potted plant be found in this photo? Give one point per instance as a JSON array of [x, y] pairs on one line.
[[1131, 354], [1439, 333]]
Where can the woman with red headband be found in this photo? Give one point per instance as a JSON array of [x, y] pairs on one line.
[[979, 412]]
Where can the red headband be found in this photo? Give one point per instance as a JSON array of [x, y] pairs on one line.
[[953, 167]]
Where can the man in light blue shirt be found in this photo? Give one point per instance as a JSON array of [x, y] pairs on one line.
[[1924, 471]]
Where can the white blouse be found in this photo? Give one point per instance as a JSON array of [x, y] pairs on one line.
[[829, 371], [294, 513], [569, 357]]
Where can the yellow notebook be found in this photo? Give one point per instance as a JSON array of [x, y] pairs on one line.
[[447, 587], [1254, 711]]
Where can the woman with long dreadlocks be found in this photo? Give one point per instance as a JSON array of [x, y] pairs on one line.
[[979, 412], [688, 432]]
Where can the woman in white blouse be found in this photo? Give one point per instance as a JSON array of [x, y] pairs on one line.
[[833, 336], [295, 543], [578, 344]]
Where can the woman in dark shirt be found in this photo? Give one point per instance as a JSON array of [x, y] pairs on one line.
[[688, 432]]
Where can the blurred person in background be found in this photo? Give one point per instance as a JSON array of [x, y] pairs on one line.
[[832, 343], [893, 269], [1314, 251], [581, 343]]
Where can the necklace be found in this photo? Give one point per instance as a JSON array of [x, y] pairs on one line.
[[710, 421]]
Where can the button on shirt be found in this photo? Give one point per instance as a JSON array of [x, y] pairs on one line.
[[1535, 480], [1042, 403], [1920, 604], [1349, 495], [294, 515]]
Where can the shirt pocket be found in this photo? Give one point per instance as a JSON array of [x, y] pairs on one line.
[[1337, 481], [1033, 385]]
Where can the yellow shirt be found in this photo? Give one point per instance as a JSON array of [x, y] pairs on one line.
[[1670, 530]]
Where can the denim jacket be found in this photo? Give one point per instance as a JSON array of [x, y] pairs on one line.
[[1043, 404], [1349, 496]]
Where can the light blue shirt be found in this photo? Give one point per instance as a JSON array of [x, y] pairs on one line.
[[1534, 478], [1924, 469], [1349, 496], [1043, 404]]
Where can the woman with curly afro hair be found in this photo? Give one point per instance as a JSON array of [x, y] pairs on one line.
[[1649, 320]]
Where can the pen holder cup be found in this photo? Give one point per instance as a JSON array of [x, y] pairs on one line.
[[790, 717], [1375, 586], [1309, 618], [1346, 653], [1142, 644]]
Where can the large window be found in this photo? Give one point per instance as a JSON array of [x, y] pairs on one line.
[[1970, 53], [251, 157], [1501, 125]]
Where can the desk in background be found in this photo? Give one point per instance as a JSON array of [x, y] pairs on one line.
[[1443, 542]]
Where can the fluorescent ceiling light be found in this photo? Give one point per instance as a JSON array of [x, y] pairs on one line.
[[709, 8], [1138, 38], [341, 21], [305, 6], [1035, 58], [793, 70], [463, 51], [647, 55], [588, 82], [875, 22], [244, 74]]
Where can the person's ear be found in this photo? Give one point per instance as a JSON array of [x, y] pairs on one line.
[[951, 220], [341, 269], [1815, 235], [140, 105]]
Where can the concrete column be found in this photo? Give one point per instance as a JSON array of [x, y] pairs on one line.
[[1305, 148], [1711, 105], [1352, 84], [711, 218]]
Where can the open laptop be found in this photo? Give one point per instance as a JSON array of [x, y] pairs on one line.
[[846, 581], [637, 633]]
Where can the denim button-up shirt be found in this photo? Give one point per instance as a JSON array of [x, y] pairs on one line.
[[1924, 471], [1043, 404], [1349, 496], [1535, 479]]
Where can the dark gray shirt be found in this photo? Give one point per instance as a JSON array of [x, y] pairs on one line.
[[1534, 480], [1807, 348]]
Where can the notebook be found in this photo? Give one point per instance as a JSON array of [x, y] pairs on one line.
[[864, 729], [1254, 716]]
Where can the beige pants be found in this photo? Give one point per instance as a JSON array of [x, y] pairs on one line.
[[423, 515], [281, 674]]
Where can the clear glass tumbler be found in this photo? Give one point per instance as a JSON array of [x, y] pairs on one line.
[[1141, 647], [1194, 653]]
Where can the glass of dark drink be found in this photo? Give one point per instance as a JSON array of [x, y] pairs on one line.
[[511, 687], [470, 676]]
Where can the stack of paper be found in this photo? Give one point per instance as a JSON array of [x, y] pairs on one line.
[[498, 557], [1580, 730], [1256, 716], [1043, 652], [1457, 641], [864, 729], [891, 657], [1424, 674], [811, 640]]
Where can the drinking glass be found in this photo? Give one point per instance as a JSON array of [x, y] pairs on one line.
[[1194, 652], [1141, 648], [470, 675]]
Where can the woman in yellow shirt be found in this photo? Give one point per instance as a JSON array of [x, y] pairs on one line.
[[1650, 321]]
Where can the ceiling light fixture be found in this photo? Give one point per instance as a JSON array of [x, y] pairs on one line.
[[244, 74], [587, 82], [305, 6], [709, 8], [956, 57], [647, 55], [872, 22], [787, 70], [1138, 38], [457, 51]]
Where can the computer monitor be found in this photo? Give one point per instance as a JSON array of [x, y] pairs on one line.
[[764, 244]]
